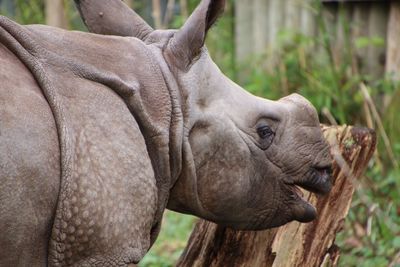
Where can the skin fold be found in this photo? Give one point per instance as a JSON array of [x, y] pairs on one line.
[[101, 132]]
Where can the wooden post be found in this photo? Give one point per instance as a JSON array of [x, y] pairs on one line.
[[168, 13], [360, 16], [184, 9], [244, 29], [393, 41], [157, 16], [275, 21], [260, 27], [375, 58], [293, 10], [308, 23], [55, 14], [294, 244]]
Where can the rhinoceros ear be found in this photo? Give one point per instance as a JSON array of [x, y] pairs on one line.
[[112, 17], [188, 41]]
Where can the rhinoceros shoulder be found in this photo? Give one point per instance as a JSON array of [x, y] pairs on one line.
[[106, 194]]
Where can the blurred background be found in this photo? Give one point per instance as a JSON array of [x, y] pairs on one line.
[[344, 56]]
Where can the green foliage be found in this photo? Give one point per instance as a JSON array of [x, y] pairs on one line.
[[172, 240], [33, 12], [331, 81], [74, 20], [221, 42], [30, 12], [371, 232], [363, 42]]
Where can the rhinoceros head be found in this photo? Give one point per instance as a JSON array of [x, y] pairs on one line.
[[242, 156]]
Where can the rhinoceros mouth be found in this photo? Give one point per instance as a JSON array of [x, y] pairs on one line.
[[302, 210], [319, 181]]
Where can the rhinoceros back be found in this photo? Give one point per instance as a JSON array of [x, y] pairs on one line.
[[98, 197]]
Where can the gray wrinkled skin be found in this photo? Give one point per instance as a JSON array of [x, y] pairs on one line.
[[99, 133]]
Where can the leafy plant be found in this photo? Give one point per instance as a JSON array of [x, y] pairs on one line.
[[332, 82], [172, 240], [30, 12]]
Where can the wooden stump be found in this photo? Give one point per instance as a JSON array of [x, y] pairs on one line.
[[294, 244]]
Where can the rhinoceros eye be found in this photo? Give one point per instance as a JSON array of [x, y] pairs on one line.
[[265, 132]]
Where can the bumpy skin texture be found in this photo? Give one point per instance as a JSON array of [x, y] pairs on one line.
[[107, 204], [99, 134]]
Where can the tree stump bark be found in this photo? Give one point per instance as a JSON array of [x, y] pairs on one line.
[[294, 244]]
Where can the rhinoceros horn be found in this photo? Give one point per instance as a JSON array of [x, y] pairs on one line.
[[112, 18]]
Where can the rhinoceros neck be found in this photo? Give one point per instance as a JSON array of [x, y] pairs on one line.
[[166, 148], [202, 87], [175, 128]]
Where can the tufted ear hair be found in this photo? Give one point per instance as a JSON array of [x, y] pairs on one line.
[[112, 17], [188, 41]]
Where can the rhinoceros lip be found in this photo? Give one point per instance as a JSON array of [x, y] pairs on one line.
[[303, 211], [319, 181]]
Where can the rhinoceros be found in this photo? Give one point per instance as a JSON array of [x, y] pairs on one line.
[[101, 132]]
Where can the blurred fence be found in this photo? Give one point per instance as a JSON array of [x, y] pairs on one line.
[[371, 27]]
